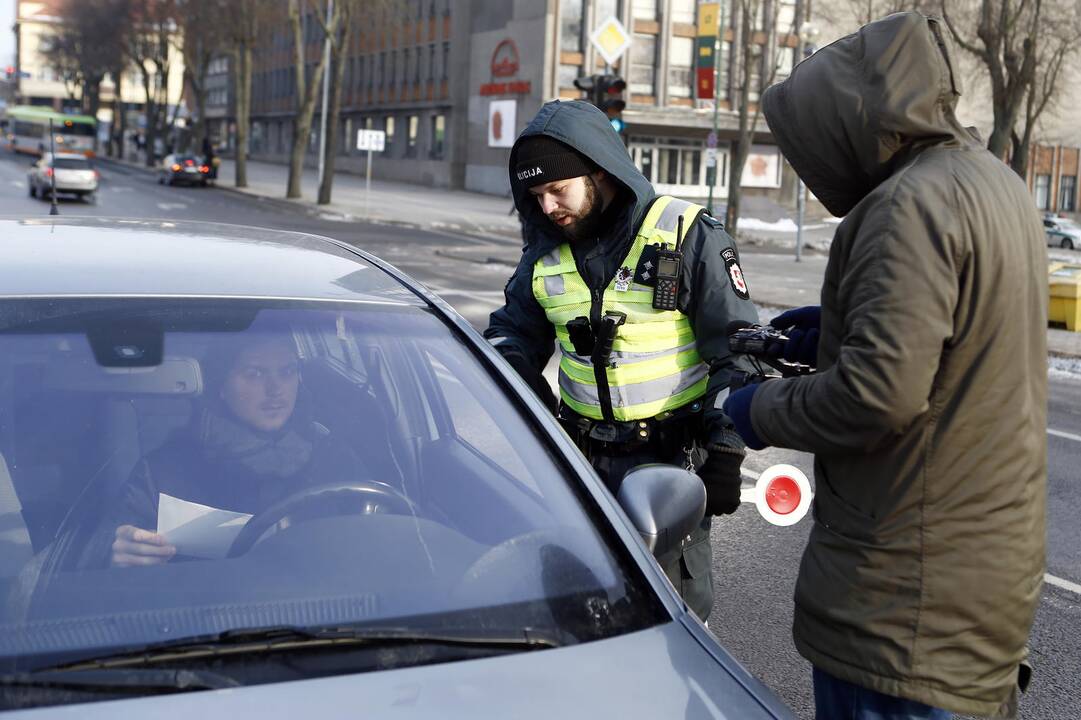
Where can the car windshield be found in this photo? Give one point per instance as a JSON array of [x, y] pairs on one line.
[[71, 164], [298, 465]]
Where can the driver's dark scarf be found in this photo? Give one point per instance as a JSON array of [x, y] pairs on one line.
[[226, 440]]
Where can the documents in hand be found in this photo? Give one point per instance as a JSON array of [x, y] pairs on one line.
[[198, 530]]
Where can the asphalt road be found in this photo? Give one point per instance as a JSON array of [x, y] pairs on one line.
[[755, 564]]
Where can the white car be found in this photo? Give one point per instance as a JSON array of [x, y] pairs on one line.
[[69, 173], [1062, 232]]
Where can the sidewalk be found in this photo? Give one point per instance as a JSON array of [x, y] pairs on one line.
[[775, 279]]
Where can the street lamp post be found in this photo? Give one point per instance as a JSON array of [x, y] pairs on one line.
[[808, 34], [53, 209], [718, 43]]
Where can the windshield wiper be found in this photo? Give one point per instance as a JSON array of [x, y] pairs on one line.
[[280, 638], [121, 679]]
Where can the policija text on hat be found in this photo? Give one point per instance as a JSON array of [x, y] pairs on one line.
[[642, 359]]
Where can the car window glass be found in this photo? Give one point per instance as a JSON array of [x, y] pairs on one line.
[[71, 164], [369, 469]]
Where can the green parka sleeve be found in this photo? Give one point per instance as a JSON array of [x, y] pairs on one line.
[[709, 298], [898, 293]]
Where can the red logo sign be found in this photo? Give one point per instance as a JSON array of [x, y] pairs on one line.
[[505, 59]]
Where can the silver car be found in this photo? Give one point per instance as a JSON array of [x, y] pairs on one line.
[[1062, 232], [67, 173], [250, 473]]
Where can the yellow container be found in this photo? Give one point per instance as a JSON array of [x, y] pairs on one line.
[[1064, 285]]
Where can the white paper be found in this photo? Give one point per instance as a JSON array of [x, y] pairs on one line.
[[198, 530]]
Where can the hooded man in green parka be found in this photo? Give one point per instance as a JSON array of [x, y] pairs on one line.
[[927, 415]]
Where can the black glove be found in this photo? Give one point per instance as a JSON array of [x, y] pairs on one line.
[[721, 476], [534, 379]]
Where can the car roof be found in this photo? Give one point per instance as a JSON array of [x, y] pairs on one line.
[[65, 156], [106, 257]]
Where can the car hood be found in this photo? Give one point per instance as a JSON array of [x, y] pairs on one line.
[[662, 672]]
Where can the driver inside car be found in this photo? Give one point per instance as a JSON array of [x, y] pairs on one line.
[[252, 443]]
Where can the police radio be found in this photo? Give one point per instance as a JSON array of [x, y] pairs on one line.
[[669, 271]]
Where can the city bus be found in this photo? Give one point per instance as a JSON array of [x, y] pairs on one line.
[[28, 131]]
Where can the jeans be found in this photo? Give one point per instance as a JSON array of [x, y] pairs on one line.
[[837, 699]]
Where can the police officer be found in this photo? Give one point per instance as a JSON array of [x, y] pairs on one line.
[[638, 289]]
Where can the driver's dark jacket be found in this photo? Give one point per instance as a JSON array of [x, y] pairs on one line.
[[192, 466], [522, 333]]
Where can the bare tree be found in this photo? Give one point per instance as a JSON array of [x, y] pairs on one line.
[[244, 21], [757, 68], [202, 38], [307, 88], [339, 49], [85, 47], [149, 46], [1057, 50], [1003, 35]]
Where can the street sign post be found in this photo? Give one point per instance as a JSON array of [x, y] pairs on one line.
[[372, 141], [611, 40]]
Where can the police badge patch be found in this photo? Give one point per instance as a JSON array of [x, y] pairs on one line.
[[735, 274], [623, 278]]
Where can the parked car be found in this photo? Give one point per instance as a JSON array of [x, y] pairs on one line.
[[184, 169], [474, 566], [69, 173], [1062, 232]]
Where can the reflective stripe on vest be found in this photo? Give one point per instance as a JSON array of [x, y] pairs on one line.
[[654, 366]]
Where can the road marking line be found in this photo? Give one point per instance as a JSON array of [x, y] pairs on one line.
[[1068, 436], [1064, 584]]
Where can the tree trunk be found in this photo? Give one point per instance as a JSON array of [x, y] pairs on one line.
[[741, 145], [307, 89], [334, 115], [243, 112], [150, 112]]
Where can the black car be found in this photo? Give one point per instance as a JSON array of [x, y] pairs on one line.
[[183, 170]]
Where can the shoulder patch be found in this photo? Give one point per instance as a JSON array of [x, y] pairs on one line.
[[712, 221], [735, 273]]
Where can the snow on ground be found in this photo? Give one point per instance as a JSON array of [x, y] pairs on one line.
[[784, 225]]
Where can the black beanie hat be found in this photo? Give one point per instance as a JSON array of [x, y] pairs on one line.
[[542, 159]]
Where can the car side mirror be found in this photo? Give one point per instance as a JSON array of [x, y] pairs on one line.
[[664, 502]]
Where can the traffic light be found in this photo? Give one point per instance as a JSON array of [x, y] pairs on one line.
[[606, 92]]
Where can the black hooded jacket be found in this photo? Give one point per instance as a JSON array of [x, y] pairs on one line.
[[521, 331]]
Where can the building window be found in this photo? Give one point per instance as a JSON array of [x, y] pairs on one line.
[[1043, 192], [446, 57], [411, 137], [388, 128], [604, 9], [570, 25], [644, 9], [1067, 193], [439, 123], [684, 11], [431, 62], [643, 75], [786, 17], [680, 50]]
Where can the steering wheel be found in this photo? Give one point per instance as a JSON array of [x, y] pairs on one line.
[[363, 497]]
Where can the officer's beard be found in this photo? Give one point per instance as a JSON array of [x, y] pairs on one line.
[[588, 224]]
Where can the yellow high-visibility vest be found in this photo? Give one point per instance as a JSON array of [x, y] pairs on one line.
[[654, 366]]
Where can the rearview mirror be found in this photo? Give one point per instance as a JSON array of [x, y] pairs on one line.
[[664, 502]]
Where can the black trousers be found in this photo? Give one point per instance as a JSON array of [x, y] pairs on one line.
[[690, 568]]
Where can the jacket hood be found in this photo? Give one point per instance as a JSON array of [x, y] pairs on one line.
[[586, 129], [855, 111]]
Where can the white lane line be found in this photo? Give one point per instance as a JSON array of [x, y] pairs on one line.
[[18, 183], [1061, 434], [1064, 584]]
